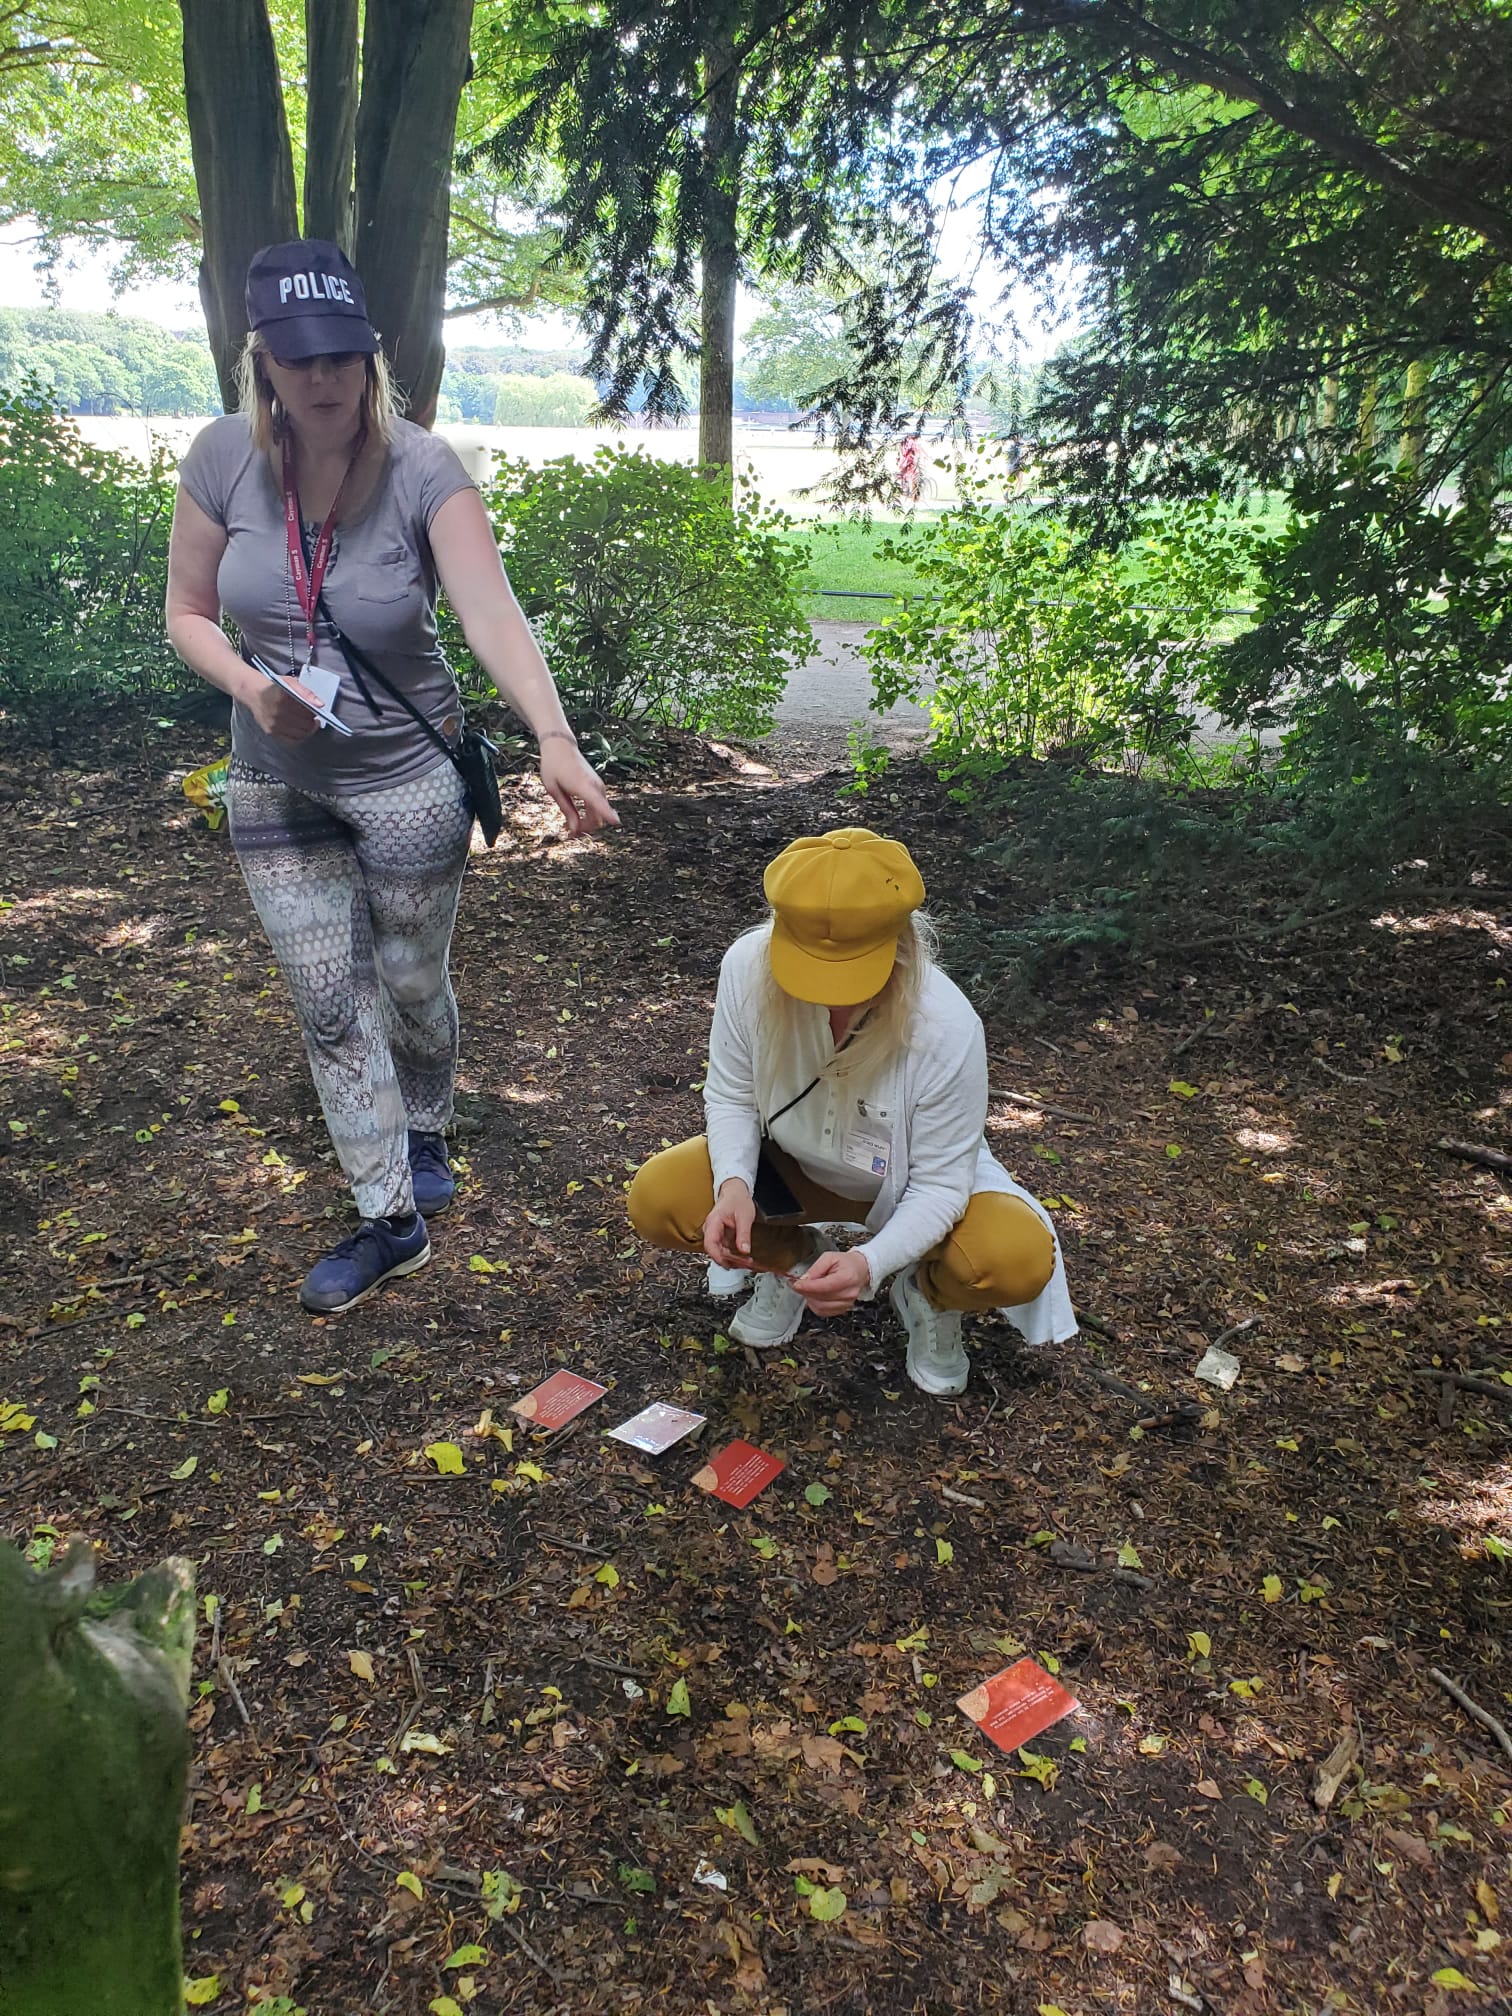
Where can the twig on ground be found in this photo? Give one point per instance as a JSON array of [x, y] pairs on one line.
[[1446, 1403], [1204, 1028], [1345, 1077], [1045, 1044], [612, 1665], [1477, 1714], [1097, 1326], [228, 1680], [962, 1498], [1114, 1385], [560, 1540], [1468, 1151], [1044, 1106], [1235, 1330], [1464, 1381], [530, 1952], [1081, 1561]]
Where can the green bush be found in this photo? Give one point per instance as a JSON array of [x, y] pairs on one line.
[[1384, 638], [83, 562], [653, 595], [1021, 642]]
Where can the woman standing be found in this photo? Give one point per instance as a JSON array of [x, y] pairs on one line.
[[847, 1084], [316, 518]]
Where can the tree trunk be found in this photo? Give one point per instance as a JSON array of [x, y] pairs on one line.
[[93, 1693], [414, 64], [1370, 399], [1414, 418], [330, 119], [720, 258], [243, 165]]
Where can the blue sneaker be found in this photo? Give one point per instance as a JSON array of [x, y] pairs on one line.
[[352, 1270], [430, 1173]]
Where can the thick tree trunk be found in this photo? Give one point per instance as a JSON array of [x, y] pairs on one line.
[[720, 258], [243, 165], [93, 1692], [330, 119], [414, 64]]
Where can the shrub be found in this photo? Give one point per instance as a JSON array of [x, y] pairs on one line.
[[83, 562], [557, 400], [1022, 643], [654, 596], [1384, 637]]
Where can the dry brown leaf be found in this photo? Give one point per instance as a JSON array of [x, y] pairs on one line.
[[1413, 1846], [823, 1753], [1485, 1896], [816, 1866], [1208, 1788], [1101, 1935], [361, 1664], [1161, 1855]]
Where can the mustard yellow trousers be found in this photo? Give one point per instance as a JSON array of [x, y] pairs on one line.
[[998, 1255]]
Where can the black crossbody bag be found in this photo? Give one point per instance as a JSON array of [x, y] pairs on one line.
[[473, 754], [771, 1193]]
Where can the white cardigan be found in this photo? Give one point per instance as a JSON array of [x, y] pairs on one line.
[[935, 1094]]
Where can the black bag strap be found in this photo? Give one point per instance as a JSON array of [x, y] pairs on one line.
[[359, 660], [798, 1098]]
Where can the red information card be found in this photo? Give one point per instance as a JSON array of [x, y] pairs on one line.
[[1016, 1704], [558, 1400], [739, 1473]]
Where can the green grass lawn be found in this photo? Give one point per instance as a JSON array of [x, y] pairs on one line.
[[844, 555]]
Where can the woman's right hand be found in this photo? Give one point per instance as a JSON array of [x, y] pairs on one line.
[[277, 713], [727, 1229]]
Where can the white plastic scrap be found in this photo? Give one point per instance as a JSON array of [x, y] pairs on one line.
[[1218, 1368], [714, 1879]]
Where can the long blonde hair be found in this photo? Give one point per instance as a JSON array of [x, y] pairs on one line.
[[881, 1036], [256, 398]]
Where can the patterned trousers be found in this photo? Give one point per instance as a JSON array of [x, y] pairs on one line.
[[358, 895]]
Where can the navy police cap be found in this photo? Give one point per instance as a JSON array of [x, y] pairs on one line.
[[305, 300]]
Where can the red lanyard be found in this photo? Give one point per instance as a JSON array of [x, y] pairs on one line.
[[309, 582]]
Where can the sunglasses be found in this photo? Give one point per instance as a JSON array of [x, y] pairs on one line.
[[339, 360]]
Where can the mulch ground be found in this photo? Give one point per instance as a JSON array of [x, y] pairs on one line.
[[437, 1746]]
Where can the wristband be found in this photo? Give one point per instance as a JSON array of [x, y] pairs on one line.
[[558, 735]]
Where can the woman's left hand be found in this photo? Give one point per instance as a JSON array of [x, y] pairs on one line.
[[575, 788], [831, 1285]]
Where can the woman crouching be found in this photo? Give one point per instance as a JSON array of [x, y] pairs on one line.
[[847, 1085]]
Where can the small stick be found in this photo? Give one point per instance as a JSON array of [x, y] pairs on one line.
[[529, 1951], [1465, 1382], [1045, 1044], [560, 1540], [1193, 1036], [1446, 1404], [228, 1680], [1476, 1714], [1044, 1106], [1467, 1151], [1345, 1077], [612, 1666], [1096, 1325], [962, 1498], [1235, 1330]]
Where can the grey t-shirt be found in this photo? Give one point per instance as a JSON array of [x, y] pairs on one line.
[[381, 588]]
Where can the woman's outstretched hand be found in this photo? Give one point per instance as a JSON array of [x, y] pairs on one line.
[[727, 1229], [575, 788], [834, 1281]]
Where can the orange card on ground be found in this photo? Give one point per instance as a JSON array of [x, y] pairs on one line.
[[1016, 1704], [557, 1400], [739, 1473]]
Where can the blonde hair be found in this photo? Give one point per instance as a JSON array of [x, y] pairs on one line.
[[381, 404], [881, 1036]]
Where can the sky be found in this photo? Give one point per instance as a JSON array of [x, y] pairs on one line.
[[85, 288]]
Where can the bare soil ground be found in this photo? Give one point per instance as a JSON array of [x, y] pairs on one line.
[[439, 1746]]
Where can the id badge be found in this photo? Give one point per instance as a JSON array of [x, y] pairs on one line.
[[322, 682], [867, 1149]]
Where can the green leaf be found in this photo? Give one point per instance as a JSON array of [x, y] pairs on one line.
[[186, 1469], [200, 1993], [1043, 1770], [827, 1905], [218, 1402], [1451, 1977], [255, 1799], [466, 1956], [1199, 1645], [1172, 1151], [677, 1701], [739, 1818], [608, 1575], [1257, 1791], [964, 1761], [765, 1546], [1270, 1589], [635, 1879], [944, 1553], [848, 1725], [818, 1494], [444, 2006], [1128, 1556], [447, 1458], [408, 1880], [1181, 1088]]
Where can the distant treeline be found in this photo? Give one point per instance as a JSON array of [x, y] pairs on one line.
[[122, 364]]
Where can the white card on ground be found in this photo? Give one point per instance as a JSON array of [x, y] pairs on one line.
[[657, 1427]]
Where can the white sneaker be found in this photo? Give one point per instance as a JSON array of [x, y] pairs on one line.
[[937, 1360], [775, 1311], [725, 1283]]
